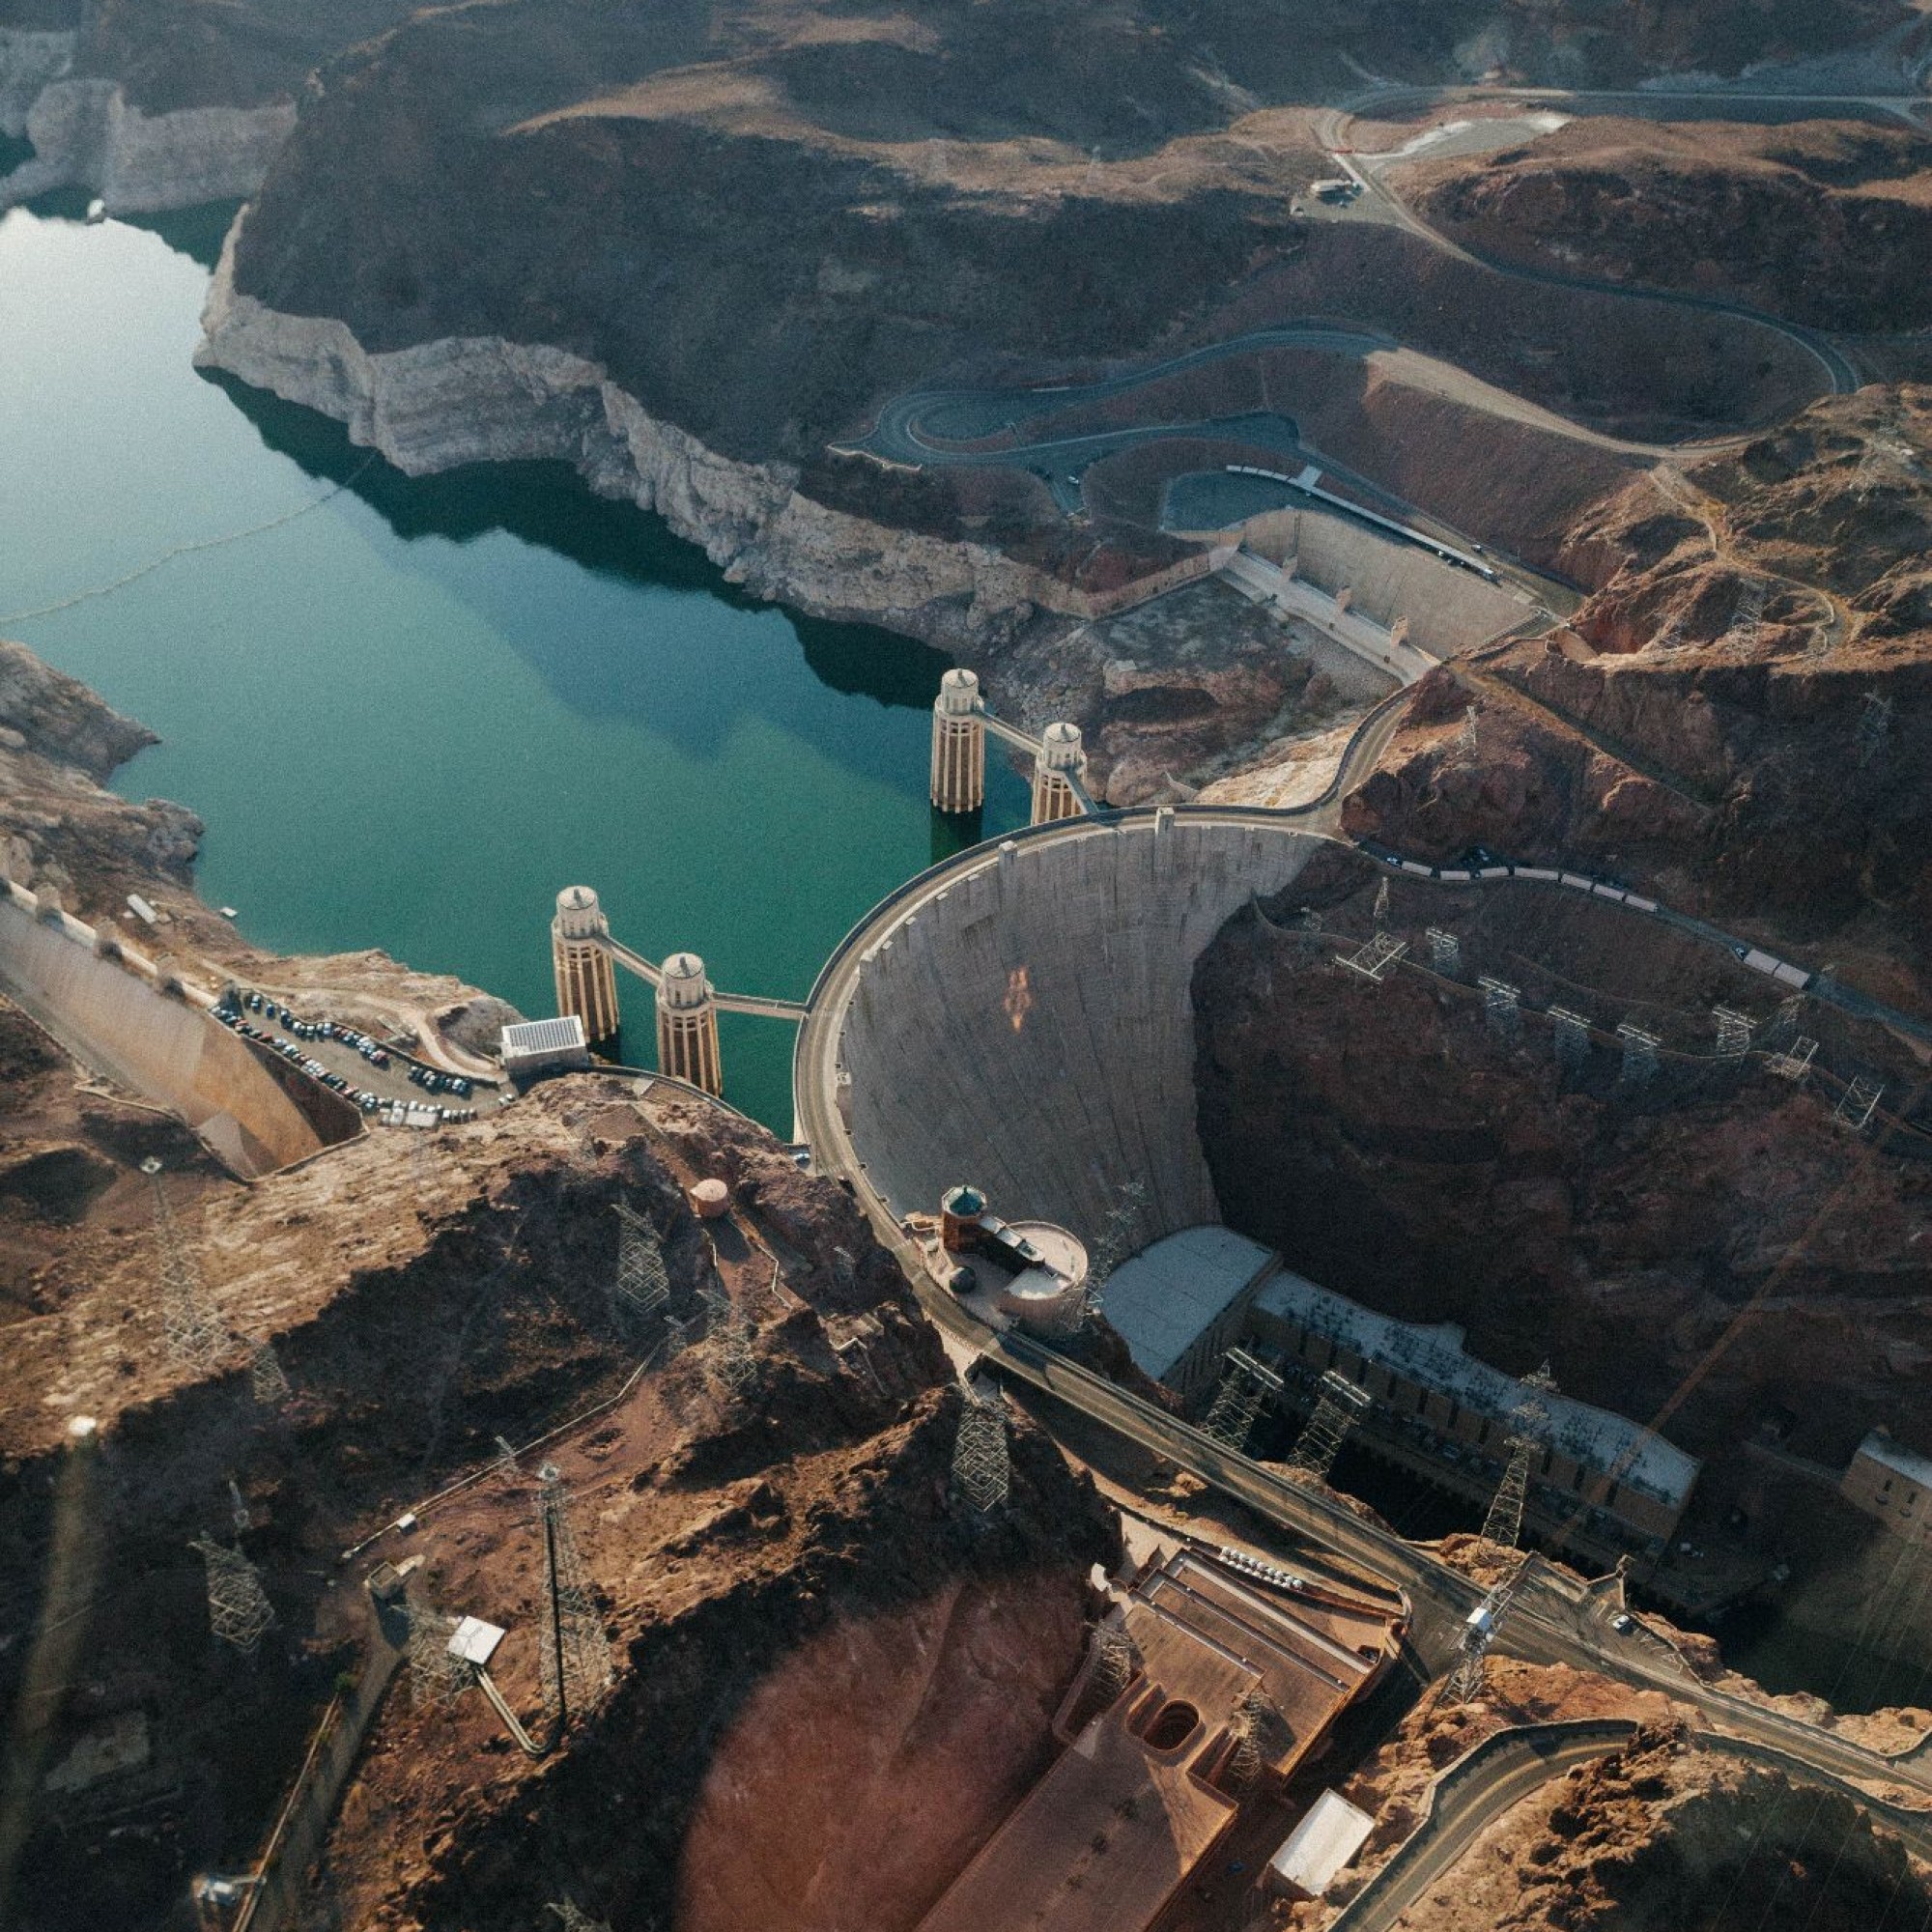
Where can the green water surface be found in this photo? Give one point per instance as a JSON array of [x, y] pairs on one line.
[[412, 712]]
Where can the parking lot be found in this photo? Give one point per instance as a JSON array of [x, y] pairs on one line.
[[378, 1079]]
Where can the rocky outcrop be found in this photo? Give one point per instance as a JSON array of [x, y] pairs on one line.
[[482, 399], [85, 133], [30, 60]]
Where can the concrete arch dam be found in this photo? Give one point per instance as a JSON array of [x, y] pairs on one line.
[[1023, 1018]]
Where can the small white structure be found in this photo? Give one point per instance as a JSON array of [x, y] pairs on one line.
[[474, 1641], [1319, 1847], [532, 1048], [1179, 1305]]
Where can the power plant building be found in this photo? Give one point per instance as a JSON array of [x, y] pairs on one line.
[[1438, 1410], [1181, 1304], [532, 1048]]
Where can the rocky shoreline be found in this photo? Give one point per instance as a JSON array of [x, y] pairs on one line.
[[478, 399], [86, 133]]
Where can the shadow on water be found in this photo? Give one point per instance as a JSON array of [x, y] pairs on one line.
[[547, 504], [197, 233], [15, 151]]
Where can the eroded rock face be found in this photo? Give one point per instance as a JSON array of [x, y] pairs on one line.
[[58, 825], [1396, 1149], [1739, 715]]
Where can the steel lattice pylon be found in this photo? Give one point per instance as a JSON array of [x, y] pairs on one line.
[[1734, 1035], [1446, 951], [1640, 1061], [576, 1655], [436, 1678], [1339, 1406], [192, 1330], [239, 1611], [268, 1380], [730, 1357], [1245, 1385], [1375, 960], [981, 1472], [575, 1918], [1570, 1035], [642, 1285], [1502, 1009], [1244, 1761], [1114, 1662], [1119, 1236], [1503, 1524]]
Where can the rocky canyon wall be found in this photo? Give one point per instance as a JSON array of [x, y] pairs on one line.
[[478, 399]]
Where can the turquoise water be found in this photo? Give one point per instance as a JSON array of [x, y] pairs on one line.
[[412, 712]]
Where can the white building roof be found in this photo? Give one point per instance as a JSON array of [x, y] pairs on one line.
[[1879, 1447], [557, 1036], [1167, 1295], [1432, 1356], [1321, 1844]]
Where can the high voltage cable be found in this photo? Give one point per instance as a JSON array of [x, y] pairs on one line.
[[154, 563]]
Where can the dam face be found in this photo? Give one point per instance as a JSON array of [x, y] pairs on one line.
[[1024, 1020]]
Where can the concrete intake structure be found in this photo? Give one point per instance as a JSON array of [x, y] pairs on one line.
[[688, 1024], [959, 745], [586, 978], [1058, 761]]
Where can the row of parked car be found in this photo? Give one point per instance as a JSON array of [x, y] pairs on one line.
[[235, 1004]]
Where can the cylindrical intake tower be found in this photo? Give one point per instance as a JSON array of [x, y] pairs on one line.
[[1060, 759], [688, 1024], [958, 744], [587, 977]]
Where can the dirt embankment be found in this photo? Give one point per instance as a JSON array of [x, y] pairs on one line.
[[1825, 222]]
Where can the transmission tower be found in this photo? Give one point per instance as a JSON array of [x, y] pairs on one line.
[[1640, 1054], [192, 1330], [268, 1380], [1570, 1035], [642, 1285], [1244, 1761], [1245, 1385], [1466, 735], [1734, 1035], [1382, 905], [576, 1657], [981, 1470], [575, 1918], [1857, 1104], [1119, 1236], [731, 1360], [237, 1510], [1446, 951], [1376, 959], [1114, 1662], [239, 1611], [1503, 1524], [1794, 1062], [436, 1678], [1874, 727], [1747, 616], [1782, 1025], [1479, 1634], [1339, 1406], [1502, 1009]]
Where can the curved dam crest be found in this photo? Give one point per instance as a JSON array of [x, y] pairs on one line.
[[1027, 1015]]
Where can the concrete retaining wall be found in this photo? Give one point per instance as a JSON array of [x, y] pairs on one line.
[[1032, 1030], [1448, 609], [109, 1011]]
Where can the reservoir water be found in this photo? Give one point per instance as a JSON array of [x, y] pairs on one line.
[[409, 710]]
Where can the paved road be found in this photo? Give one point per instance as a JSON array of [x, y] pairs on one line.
[[1370, 173]]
